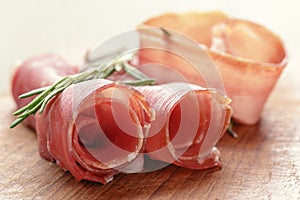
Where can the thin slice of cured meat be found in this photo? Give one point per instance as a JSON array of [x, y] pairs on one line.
[[196, 25], [249, 57], [189, 121], [36, 72], [93, 129]]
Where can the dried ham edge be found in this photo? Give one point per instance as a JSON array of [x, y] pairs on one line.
[[189, 122], [249, 57], [66, 129], [37, 72], [73, 113]]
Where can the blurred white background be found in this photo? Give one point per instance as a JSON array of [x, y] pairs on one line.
[[69, 27]]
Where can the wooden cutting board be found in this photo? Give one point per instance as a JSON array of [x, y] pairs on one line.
[[263, 163]]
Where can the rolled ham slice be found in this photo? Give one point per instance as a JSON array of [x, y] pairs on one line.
[[93, 129], [36, 72], [249, 57], [189, 121]]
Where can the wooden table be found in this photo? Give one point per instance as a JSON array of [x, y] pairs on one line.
[[263, 163]]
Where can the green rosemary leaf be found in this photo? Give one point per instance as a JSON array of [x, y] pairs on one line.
[[134, 72], [39, 98], [33, 92], [45, 94], [27, 107], [108, 72], [139, 82], [50, 96], [34, 109], [167, 33], [35, 101], [118, 67], [17, 122], [230, 130]]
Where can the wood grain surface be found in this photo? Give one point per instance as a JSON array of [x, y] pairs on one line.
[[263, 163]]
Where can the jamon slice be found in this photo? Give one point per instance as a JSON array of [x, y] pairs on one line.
[[249, 57], [94, 129], [36, 72], [195, 25], [189, 121]]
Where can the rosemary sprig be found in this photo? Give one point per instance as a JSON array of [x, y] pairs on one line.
[[133, 71], [167, 33], [34, 92], [139, 82], [45, 94], [230, 130]]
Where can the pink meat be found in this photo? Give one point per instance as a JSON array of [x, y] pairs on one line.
[[98, 128], [93, 129], [189, 121], [36, 72], [249, 57]]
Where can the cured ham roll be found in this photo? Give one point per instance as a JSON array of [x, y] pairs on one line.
[[249, 57], [189, 121], [93, 129], [36, 72]]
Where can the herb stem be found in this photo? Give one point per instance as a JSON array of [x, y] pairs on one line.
[[45, 94], [230, 130]]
